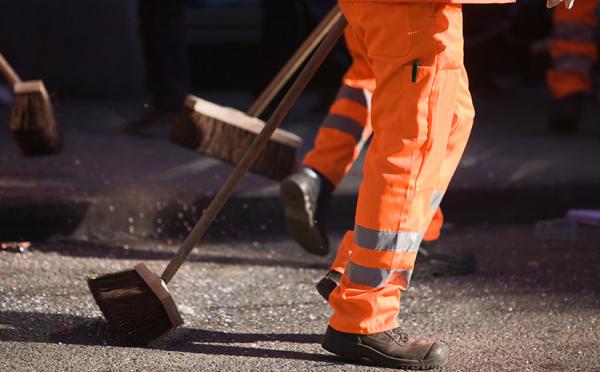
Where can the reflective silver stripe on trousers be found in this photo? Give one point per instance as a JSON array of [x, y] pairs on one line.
[[575, 63], [376, 278], [402, 241], [345, 124], [573, 31], [436, 199], [353, 94]]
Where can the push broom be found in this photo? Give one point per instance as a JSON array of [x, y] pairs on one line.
[[137, 303], [32, 119], [224, 132]]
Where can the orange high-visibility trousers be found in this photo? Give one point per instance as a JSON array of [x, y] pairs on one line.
[[573, 49], [347, 127], [421, 116]]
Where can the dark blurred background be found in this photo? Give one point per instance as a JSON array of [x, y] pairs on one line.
[[112, 65], [92, 48]]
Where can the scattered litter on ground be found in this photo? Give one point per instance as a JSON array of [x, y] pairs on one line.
[[186, 310], [585, 216], [16, 247]]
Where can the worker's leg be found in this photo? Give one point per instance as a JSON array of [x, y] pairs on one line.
[[412, 116], [347, 126], [442, 261], [162, 29], [415, 53], [574, 52], [163, 41], [573, 49], [446, 263]]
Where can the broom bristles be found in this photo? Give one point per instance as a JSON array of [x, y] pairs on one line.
[[32, 121], [213, 136], [135, 314]]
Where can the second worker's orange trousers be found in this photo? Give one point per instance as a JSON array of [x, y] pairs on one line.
[[410, 57], [573, 49]]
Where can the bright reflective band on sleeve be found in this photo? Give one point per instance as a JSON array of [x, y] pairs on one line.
[[353, 94], [573, 31], [403, 241], [575, 63], [345, 124], [375, 278], [436, 199]]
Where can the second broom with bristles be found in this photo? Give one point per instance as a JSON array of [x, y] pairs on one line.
[[32, 119], [137, 303], [224, 132]]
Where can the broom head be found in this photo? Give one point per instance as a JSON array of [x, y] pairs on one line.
[[225, 133], [32, 120], [136, 304]]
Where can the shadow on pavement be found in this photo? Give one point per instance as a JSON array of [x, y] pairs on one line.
[[184, 336], [212, 349], [77, 330], [204, 342]]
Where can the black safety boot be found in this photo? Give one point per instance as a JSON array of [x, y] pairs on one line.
[[438, 260], [328, 283], [306, 196], [387, 349], [566, 114]]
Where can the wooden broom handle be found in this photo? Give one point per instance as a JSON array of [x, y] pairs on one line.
[[282, 77], [8, 72], [209, 214]]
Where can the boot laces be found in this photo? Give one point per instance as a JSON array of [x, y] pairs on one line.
[[399, 336]]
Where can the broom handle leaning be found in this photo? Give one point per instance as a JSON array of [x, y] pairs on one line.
[[8, 72], [209, 214], [292, 65]]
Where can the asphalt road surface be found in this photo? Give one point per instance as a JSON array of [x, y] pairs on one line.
[[251, 305]]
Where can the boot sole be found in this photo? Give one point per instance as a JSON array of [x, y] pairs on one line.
[[356, 353], [299, 219]]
